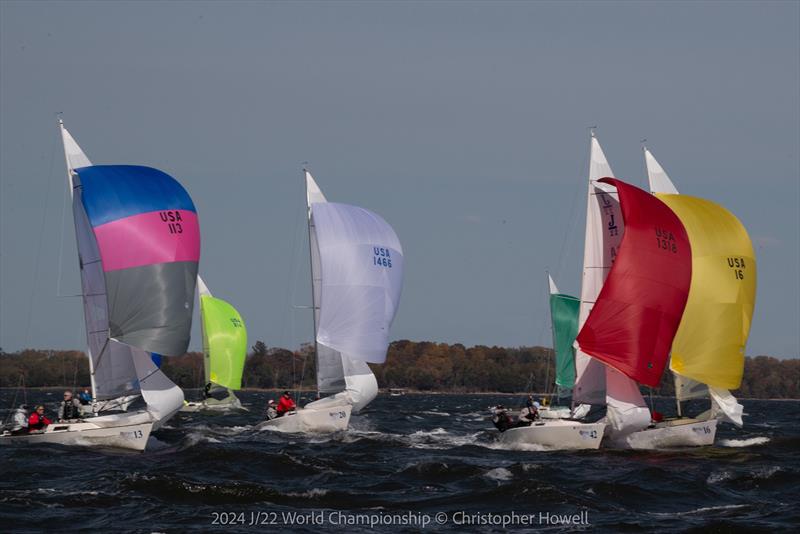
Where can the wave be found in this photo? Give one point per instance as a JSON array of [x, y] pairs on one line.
[[500, 474], [750, 442], [528, 447], [705, 510]]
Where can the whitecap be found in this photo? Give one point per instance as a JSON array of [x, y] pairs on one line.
[[500, 474], [530, 447], [309, 494], [719, 476], [703, 510], [758, 440]]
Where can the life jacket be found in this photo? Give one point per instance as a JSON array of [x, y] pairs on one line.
[[71, 411], [37, 422], [285, 405]]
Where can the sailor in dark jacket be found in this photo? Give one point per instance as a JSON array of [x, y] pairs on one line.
[[70, 408]]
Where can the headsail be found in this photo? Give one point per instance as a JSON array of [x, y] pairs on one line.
[[138, 246], [224, 340], [356, 264], [564, 315], [637, 313], [710, 342], [657, 176]]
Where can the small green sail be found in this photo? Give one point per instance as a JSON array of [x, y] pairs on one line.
[[564, 313], [224, 341]]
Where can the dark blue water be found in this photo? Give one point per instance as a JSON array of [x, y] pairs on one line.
[[404, 460]]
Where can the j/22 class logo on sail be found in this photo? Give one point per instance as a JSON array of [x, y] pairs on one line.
[[173, 219], [381, 257]]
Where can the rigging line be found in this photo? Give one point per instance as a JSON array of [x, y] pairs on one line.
[[47, 188], [573, 218], [569, 229], [20, 382], [296, 253], [288, 319]]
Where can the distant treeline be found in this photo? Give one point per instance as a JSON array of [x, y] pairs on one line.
[[417, 365]]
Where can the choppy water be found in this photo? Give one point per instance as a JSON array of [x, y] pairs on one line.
[[404, 460]]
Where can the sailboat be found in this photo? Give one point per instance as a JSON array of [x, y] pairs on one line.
[[356, 280], [138, 249], [564, 311], [561, 429], [635, 318], [224, 353], [708, 350]]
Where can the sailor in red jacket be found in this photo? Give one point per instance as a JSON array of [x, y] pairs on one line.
[[37, 420], [286, 404]]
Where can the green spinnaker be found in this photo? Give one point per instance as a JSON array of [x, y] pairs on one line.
[[225, 340], [564, 313]]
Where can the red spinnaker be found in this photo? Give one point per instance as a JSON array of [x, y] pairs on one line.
[[637, 313]]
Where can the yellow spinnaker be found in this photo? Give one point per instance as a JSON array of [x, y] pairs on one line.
[[709, 345]]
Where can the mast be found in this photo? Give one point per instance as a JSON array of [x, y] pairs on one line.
[[311, 269], [70, 178], [550, 287], [202, 291]]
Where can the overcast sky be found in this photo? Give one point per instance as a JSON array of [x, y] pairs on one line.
[[463, 124]]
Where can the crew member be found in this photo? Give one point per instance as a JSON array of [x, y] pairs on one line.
[[272, 413], [37, 421], [501, 419], [20, 424], [286, 404], [70, 408]]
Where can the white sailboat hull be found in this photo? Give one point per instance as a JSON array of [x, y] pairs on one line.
[[88, 434], [310, 420], [556, 434], [669, 434]]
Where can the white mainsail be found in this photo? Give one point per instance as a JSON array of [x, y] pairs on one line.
[[111, 366], [724, 404], [356, 270], [595, 382]]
